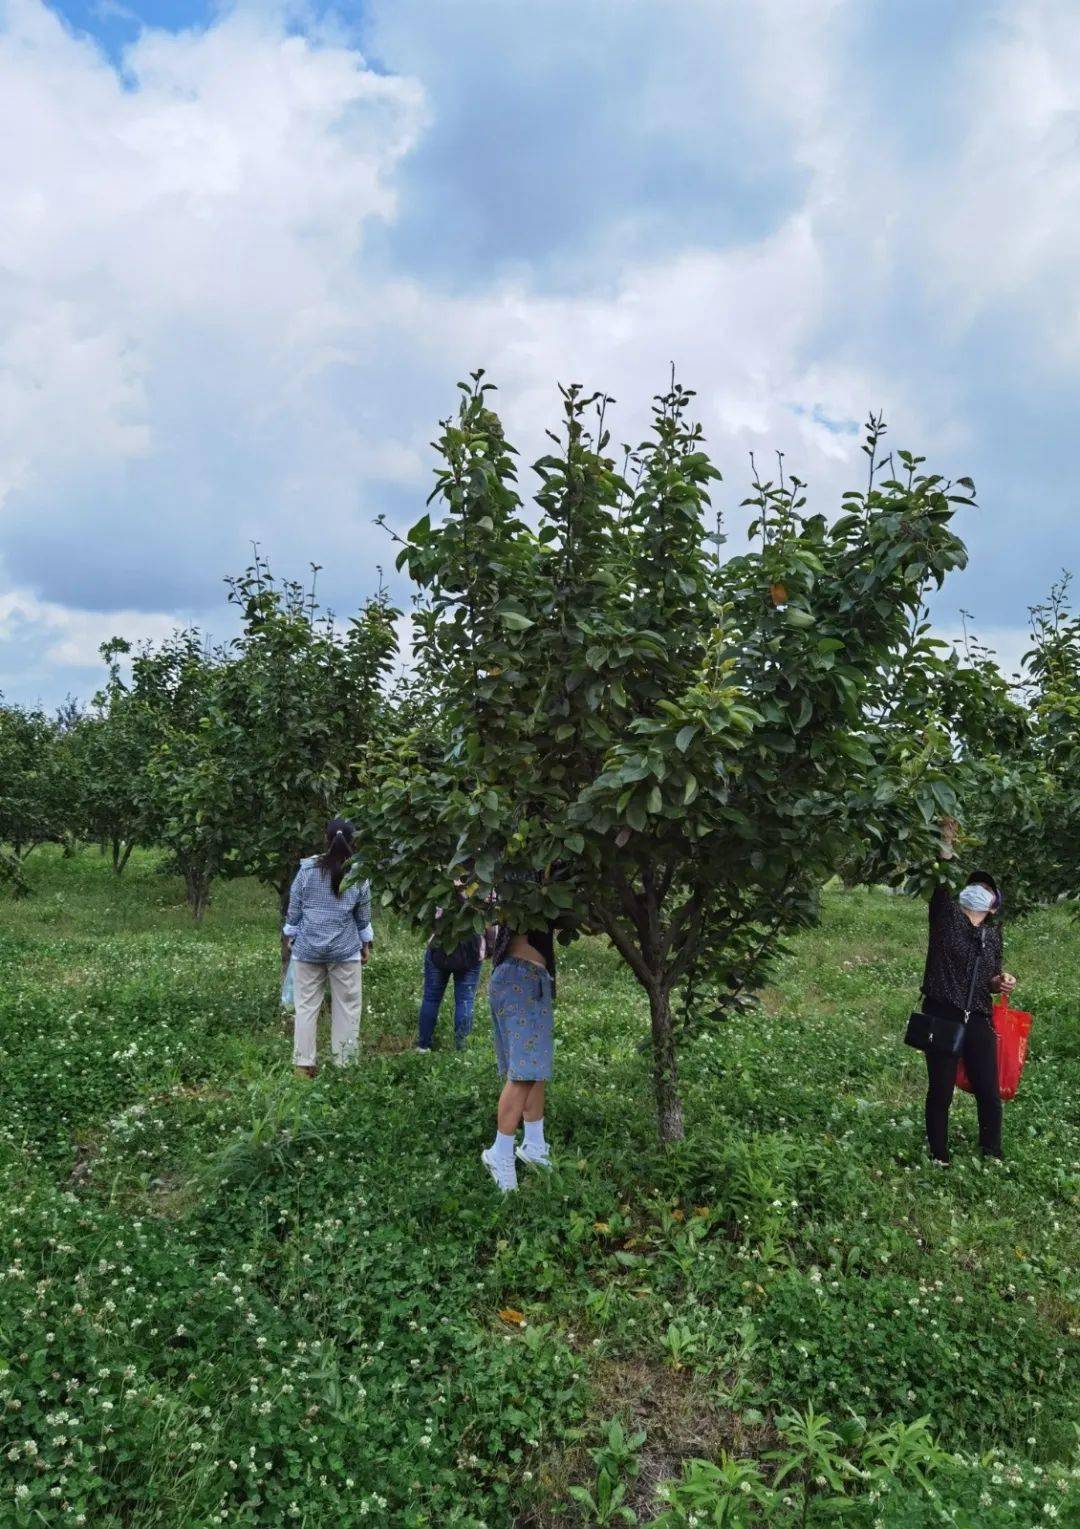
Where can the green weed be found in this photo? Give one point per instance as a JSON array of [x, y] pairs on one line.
[[229, 1296]]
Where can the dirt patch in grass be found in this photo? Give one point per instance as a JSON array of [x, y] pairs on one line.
[[204, 1090], [76, 976], [389, 1045], [85, 1154], [682, 1420], [169, 1197]]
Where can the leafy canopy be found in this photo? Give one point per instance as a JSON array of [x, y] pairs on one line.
[[682, 748]]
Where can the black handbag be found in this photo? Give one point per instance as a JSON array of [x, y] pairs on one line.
[[944, 1036]]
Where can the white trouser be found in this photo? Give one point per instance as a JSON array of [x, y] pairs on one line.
[[310, 979]]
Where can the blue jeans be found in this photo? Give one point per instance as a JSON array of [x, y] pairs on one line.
[[435, 984]]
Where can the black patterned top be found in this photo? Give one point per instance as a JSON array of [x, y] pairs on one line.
[[957, 947]]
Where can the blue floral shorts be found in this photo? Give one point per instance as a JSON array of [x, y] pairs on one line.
[[520, 999]]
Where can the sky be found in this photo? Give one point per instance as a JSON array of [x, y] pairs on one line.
[[247, 251]]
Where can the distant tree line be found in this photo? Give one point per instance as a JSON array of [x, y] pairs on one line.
[[227, 757]]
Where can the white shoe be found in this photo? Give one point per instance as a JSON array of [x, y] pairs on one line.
[[524, 1154], [504, 1174]]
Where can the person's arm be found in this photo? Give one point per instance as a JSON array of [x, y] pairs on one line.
[[362, 915], [941, 896], [1004, 982], [294, 917]]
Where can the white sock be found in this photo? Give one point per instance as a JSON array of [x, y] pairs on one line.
[[534, 1135], [503, 1146]]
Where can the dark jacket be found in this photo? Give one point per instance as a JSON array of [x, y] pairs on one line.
[[957, 948]]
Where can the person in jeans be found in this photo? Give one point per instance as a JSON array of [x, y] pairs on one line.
[[463, 964], [965, 943], [521, 997], [329, 926]]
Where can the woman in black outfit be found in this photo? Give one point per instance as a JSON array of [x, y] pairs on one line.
[[965, 955]]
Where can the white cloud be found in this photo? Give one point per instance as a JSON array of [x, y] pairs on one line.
[[204, 339], [737, 322], [180, 255], [987, 228], [71, 638], [1009, 226], [197, 352]]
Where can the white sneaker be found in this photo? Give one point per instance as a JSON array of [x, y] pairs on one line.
[[504, 1174], [525, 1154]]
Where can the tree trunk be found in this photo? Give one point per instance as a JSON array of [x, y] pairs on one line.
[[197, 886], [669, 1111], [126, 856], [115, 842]]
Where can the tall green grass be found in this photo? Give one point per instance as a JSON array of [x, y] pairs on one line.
[[230, 1296]]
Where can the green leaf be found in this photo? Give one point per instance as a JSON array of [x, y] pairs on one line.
[[685, 736], [945, 797], [515, 621]]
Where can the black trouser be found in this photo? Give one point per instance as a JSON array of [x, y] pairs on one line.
[[980, 1060]]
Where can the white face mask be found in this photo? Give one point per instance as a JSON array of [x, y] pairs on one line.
[[977, 899]]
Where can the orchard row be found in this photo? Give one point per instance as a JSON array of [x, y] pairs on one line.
[[679, 747]]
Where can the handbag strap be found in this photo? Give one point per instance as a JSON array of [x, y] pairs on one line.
[[974, 973]]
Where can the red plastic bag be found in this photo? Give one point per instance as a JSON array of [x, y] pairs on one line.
[[1012, 1027]]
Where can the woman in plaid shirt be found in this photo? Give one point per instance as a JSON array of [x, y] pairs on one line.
[[330, 930]]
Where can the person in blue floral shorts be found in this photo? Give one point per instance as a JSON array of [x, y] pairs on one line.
[[521, 996]]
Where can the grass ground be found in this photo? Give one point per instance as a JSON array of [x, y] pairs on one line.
[[229, 1296]]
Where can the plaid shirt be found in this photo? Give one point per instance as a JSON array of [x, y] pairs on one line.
[[325, 928]]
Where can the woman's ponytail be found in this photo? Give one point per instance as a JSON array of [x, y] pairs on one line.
[[338, 852]]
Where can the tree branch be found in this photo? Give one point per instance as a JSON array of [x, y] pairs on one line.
[[624, 943]]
